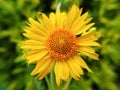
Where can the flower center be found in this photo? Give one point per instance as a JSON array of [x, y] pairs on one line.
[[62, 44]]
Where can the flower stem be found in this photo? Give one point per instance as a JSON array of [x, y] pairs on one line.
[[67, 84], [52, 80], [48, 82]]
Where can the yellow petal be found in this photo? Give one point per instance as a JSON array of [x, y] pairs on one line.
[[61, 71], [58, 72], [82, 63], [65, 71], [85, 28], [80, 22], [46, 70], [80, 11], [27, 42], [60, 18], [34, 36], [88, 51], [84, 16], [34, 29], [91, 55], [32, 44], [52, 18], [30, 53], [88, 43], [35, 55], [73, 14], [37, 27], [47, 22], [79, 28], [41, 65], [75, 69], [88, 37], [33, 22], [32, 47]]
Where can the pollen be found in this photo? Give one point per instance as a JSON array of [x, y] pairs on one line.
[[62, 44]]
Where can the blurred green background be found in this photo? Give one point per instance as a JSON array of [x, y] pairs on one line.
[[15, 73]]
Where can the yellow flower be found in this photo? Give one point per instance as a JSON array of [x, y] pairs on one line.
[[57, 42]]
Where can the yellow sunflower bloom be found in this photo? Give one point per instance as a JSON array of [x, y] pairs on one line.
[[55, 42]]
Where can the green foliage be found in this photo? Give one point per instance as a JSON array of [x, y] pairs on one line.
[[15, 73]]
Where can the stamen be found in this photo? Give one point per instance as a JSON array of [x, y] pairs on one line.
[[62, 44]]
